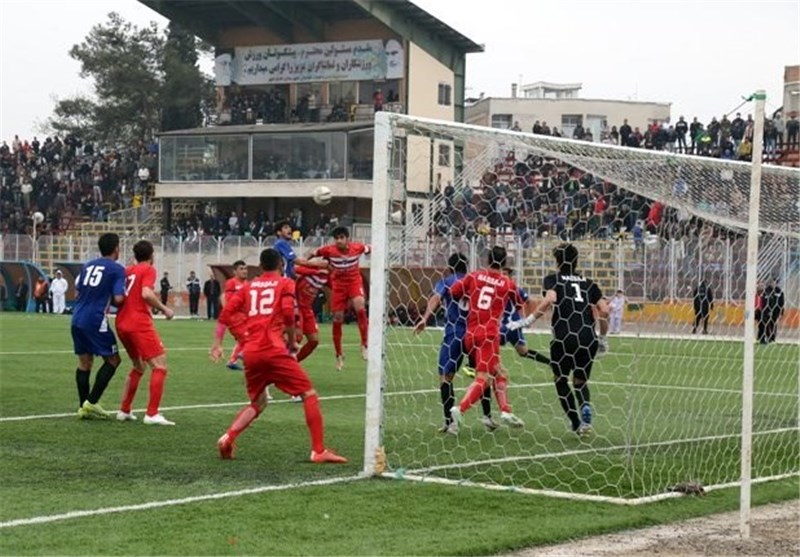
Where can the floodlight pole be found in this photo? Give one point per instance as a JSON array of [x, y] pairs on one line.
[[749, 315]]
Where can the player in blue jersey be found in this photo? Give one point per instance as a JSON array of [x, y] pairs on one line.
[[452, 350], [100, 283], [283, 245]]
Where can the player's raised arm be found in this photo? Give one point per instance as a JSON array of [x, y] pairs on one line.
[[433, 304], [538, 310]]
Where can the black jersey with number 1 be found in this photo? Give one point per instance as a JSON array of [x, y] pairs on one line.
[[572, 311]]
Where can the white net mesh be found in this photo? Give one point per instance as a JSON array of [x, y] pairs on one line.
[[666, 400]]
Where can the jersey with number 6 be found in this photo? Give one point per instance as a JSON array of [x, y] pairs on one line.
[[135, 313], [572, 311], [265, 307], [488, 291]]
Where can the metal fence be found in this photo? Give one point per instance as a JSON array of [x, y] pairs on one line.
[[654, 270]]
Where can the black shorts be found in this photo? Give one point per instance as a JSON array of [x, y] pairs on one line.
[[573, 354]]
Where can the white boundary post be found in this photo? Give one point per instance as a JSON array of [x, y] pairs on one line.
[[373, 437], [749, 316]]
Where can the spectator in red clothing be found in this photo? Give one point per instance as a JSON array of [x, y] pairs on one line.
[[377, 100], [654, 216]]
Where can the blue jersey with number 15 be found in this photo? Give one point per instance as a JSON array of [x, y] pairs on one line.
[[455, 311], [100, 280]]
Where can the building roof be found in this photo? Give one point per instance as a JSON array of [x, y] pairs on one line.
[[552, 86], [574, 100], [206, 18]]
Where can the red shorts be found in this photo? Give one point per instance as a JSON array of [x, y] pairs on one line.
[[343, 293], [485, 352], [142, 344], [308, 321], [262, 369]]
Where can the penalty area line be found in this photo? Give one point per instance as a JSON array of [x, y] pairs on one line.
[[45, 519]]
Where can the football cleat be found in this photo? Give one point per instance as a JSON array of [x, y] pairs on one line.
[[364, 353], [452, 429], [297, 398], [327, 456], [511, 420], [489, 423], [443, 428], [234, 366], [340, 362], [126, 416], [226, 447], [91, 411], [158, 419], [269, 396], [468, 371], [584, 430]]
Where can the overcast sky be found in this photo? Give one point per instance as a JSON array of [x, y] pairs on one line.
[[701, 56]]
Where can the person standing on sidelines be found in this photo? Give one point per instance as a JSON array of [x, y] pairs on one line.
[[59, 289], [193, 288], [140, 338], [165, 288], [616, 307], [262, 315], [100, 283]]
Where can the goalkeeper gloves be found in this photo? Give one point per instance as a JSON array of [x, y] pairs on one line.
[[527, 322]]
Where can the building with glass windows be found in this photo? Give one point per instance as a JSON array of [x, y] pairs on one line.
[[298, 84]]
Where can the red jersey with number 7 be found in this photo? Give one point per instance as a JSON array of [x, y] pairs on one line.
[[344, 264], [488, 291], [261, 311], [135, 313]]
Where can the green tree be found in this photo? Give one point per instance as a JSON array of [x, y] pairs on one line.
[[182, 91]]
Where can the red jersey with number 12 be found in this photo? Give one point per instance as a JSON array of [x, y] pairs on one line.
[[344, 264], [135, 313], [309, 281], [266, 306], [488, 291]]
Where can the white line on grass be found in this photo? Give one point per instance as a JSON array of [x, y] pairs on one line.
[[44, 519]]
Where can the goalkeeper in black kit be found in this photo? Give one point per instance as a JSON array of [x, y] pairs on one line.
[[574, 300]]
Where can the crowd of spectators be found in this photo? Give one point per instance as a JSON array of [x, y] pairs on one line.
[[67, 179], [541, 197], [724, 138], [209, 222]]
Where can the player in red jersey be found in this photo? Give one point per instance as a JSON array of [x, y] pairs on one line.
[[309, 282], [262, 315], [140, 338], [232, 285], [346, 285], [488, 292]]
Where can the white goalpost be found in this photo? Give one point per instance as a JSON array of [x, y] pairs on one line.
[[699, 389]]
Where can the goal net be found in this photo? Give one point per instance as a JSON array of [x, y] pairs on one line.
[[664, 232]]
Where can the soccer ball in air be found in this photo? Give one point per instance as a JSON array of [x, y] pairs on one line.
[[322, 195]]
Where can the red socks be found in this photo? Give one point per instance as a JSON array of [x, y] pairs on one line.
[[337, 337], [129, 391], [156, 390], [363, 325], [306, 350], [314, 423], [243, 419], [501, 393], [473, 394]]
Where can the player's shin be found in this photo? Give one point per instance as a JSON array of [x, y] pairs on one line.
[[486, 401], [314, 423], [583, 398], [157, 378], [337, 337], [306, 350], [501, 392], [82, 381], [101, 381], [473, 394], [448, 398], [567, 400], [243, 419], [129, 391], [363, 325]]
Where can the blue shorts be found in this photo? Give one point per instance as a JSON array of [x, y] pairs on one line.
[[451, 354], [96, 343], [514, 338]]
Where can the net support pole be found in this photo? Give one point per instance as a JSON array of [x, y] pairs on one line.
[[749, 316], [377, 293]]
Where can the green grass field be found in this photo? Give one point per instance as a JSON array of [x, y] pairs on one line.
[[158, 481]]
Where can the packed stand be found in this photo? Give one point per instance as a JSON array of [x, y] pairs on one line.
[[69, 179]]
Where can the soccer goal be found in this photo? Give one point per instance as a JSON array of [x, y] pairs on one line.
[[669, 231]]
